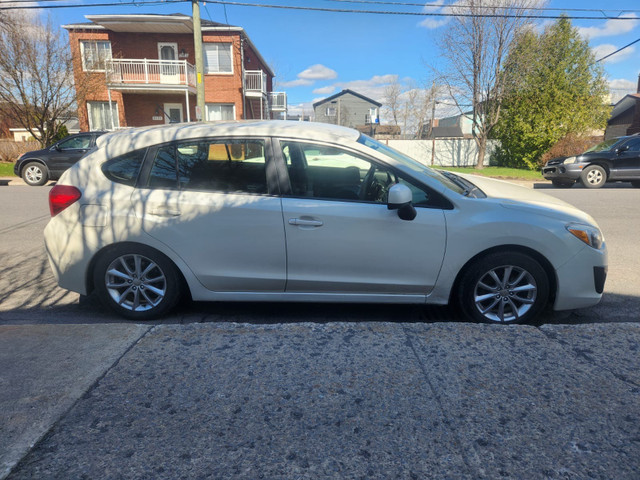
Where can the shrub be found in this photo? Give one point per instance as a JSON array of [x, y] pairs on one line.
[[11, 150], [568, 146]]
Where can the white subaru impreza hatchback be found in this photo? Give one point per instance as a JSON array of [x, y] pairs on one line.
[[292, 211]]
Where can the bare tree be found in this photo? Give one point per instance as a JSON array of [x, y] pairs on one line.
[[475, 45], [36, 76], [391, 99]]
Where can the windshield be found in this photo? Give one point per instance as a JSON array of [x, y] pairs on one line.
[[449, 180], [604, 146]]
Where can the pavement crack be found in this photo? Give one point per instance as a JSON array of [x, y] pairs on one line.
[[458, 440], [46, 434]]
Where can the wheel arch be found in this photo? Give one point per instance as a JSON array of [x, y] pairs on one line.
[[541, 259], [92, 264], [27, 161], [600, 163]]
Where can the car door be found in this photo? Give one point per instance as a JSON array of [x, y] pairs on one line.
[[67, 152], [210, 202], [626, 161], [342, 238]]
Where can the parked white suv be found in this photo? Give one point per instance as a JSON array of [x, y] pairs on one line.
[[292, 211]]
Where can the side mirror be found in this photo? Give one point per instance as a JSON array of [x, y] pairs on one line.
[[400, 197], [622, 149], [57, 147]]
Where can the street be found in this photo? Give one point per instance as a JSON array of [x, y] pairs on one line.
[[315, 391]]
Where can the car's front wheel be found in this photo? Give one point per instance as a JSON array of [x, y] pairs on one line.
[[509, 287], [137, 282], [35, 174], [593, 176]]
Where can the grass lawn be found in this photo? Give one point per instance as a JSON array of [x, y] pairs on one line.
[[498, 172], [6, 169]]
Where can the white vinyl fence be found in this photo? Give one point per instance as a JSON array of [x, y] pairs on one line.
[[447, 152]]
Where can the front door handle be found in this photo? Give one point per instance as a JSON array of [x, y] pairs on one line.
[[165, 212], [303, 222]]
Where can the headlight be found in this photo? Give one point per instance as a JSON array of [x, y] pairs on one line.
[[588, 234], [570, 160]]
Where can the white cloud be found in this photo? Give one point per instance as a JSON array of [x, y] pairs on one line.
[[318, 72], [611, 27], [301, 82], [435, 22], [621, 87], [325, 90], [310, 75], [605, 49]]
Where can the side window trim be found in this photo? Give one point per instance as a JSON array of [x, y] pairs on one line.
[[272, 176], [440, 201]]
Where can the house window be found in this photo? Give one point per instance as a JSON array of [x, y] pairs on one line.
[[219, 111], [101, 117], [217, 58], [331, 111], [95, 55]]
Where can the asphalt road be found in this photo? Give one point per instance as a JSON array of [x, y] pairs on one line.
[[315, 391]]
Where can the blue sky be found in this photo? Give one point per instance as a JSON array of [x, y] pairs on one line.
[[316, 54]]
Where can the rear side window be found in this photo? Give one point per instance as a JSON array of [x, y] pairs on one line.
[[125, 168], [227, 166]]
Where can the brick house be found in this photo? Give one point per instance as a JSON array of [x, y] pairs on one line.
[[142, 72]]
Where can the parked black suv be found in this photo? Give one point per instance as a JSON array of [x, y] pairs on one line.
[[40, 166], [614, 160]]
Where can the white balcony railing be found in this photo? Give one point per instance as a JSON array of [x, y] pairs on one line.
[[278, 101], [255, 82], [150, 72]]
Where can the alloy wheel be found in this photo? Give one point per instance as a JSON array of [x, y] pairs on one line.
[[505, 293], [33, 174], [135, 282]]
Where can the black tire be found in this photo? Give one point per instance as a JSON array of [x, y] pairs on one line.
[[593, 176], [35, 174], [516, 294], [562, 183], [137, 282]]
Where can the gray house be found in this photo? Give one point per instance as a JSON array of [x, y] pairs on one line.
[[347, 108]]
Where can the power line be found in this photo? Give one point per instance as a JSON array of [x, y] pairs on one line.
[[496, 7], [619, 50], [321, 9]]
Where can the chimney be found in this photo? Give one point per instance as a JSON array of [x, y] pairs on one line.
[[638, 89]]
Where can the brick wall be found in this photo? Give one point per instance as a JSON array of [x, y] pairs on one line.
[[137, 109]]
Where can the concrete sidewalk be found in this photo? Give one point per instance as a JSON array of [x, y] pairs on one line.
[[324, 400]]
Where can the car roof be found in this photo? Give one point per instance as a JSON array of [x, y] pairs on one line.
[[130, 139]]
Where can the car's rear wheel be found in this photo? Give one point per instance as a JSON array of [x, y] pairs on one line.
[[594, 176], [509, 287], [562, 183], [137, 282], [35, 174]]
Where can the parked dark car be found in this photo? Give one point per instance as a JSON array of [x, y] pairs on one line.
[[40, 166], [614, 160]]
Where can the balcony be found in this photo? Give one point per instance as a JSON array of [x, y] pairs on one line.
[[278, 101], [255, 83], [152, 76]]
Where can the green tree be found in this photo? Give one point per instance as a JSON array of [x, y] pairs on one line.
[[62, 132], [554, 88]]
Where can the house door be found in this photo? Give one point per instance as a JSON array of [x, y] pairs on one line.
[[169, 66], [173, 113]]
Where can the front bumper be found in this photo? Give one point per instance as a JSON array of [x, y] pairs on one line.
[[581, 280], [561, 171]]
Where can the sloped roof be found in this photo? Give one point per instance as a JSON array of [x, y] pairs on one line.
[[627, 102], [344, 92]]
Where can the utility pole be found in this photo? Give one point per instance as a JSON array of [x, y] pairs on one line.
[[197, 43]]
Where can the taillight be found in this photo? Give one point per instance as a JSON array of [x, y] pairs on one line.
[[61, 197]]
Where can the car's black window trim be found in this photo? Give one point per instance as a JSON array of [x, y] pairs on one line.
[[272, 179], [440, 201]]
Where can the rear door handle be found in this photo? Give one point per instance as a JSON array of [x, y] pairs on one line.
[[305, 222]]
